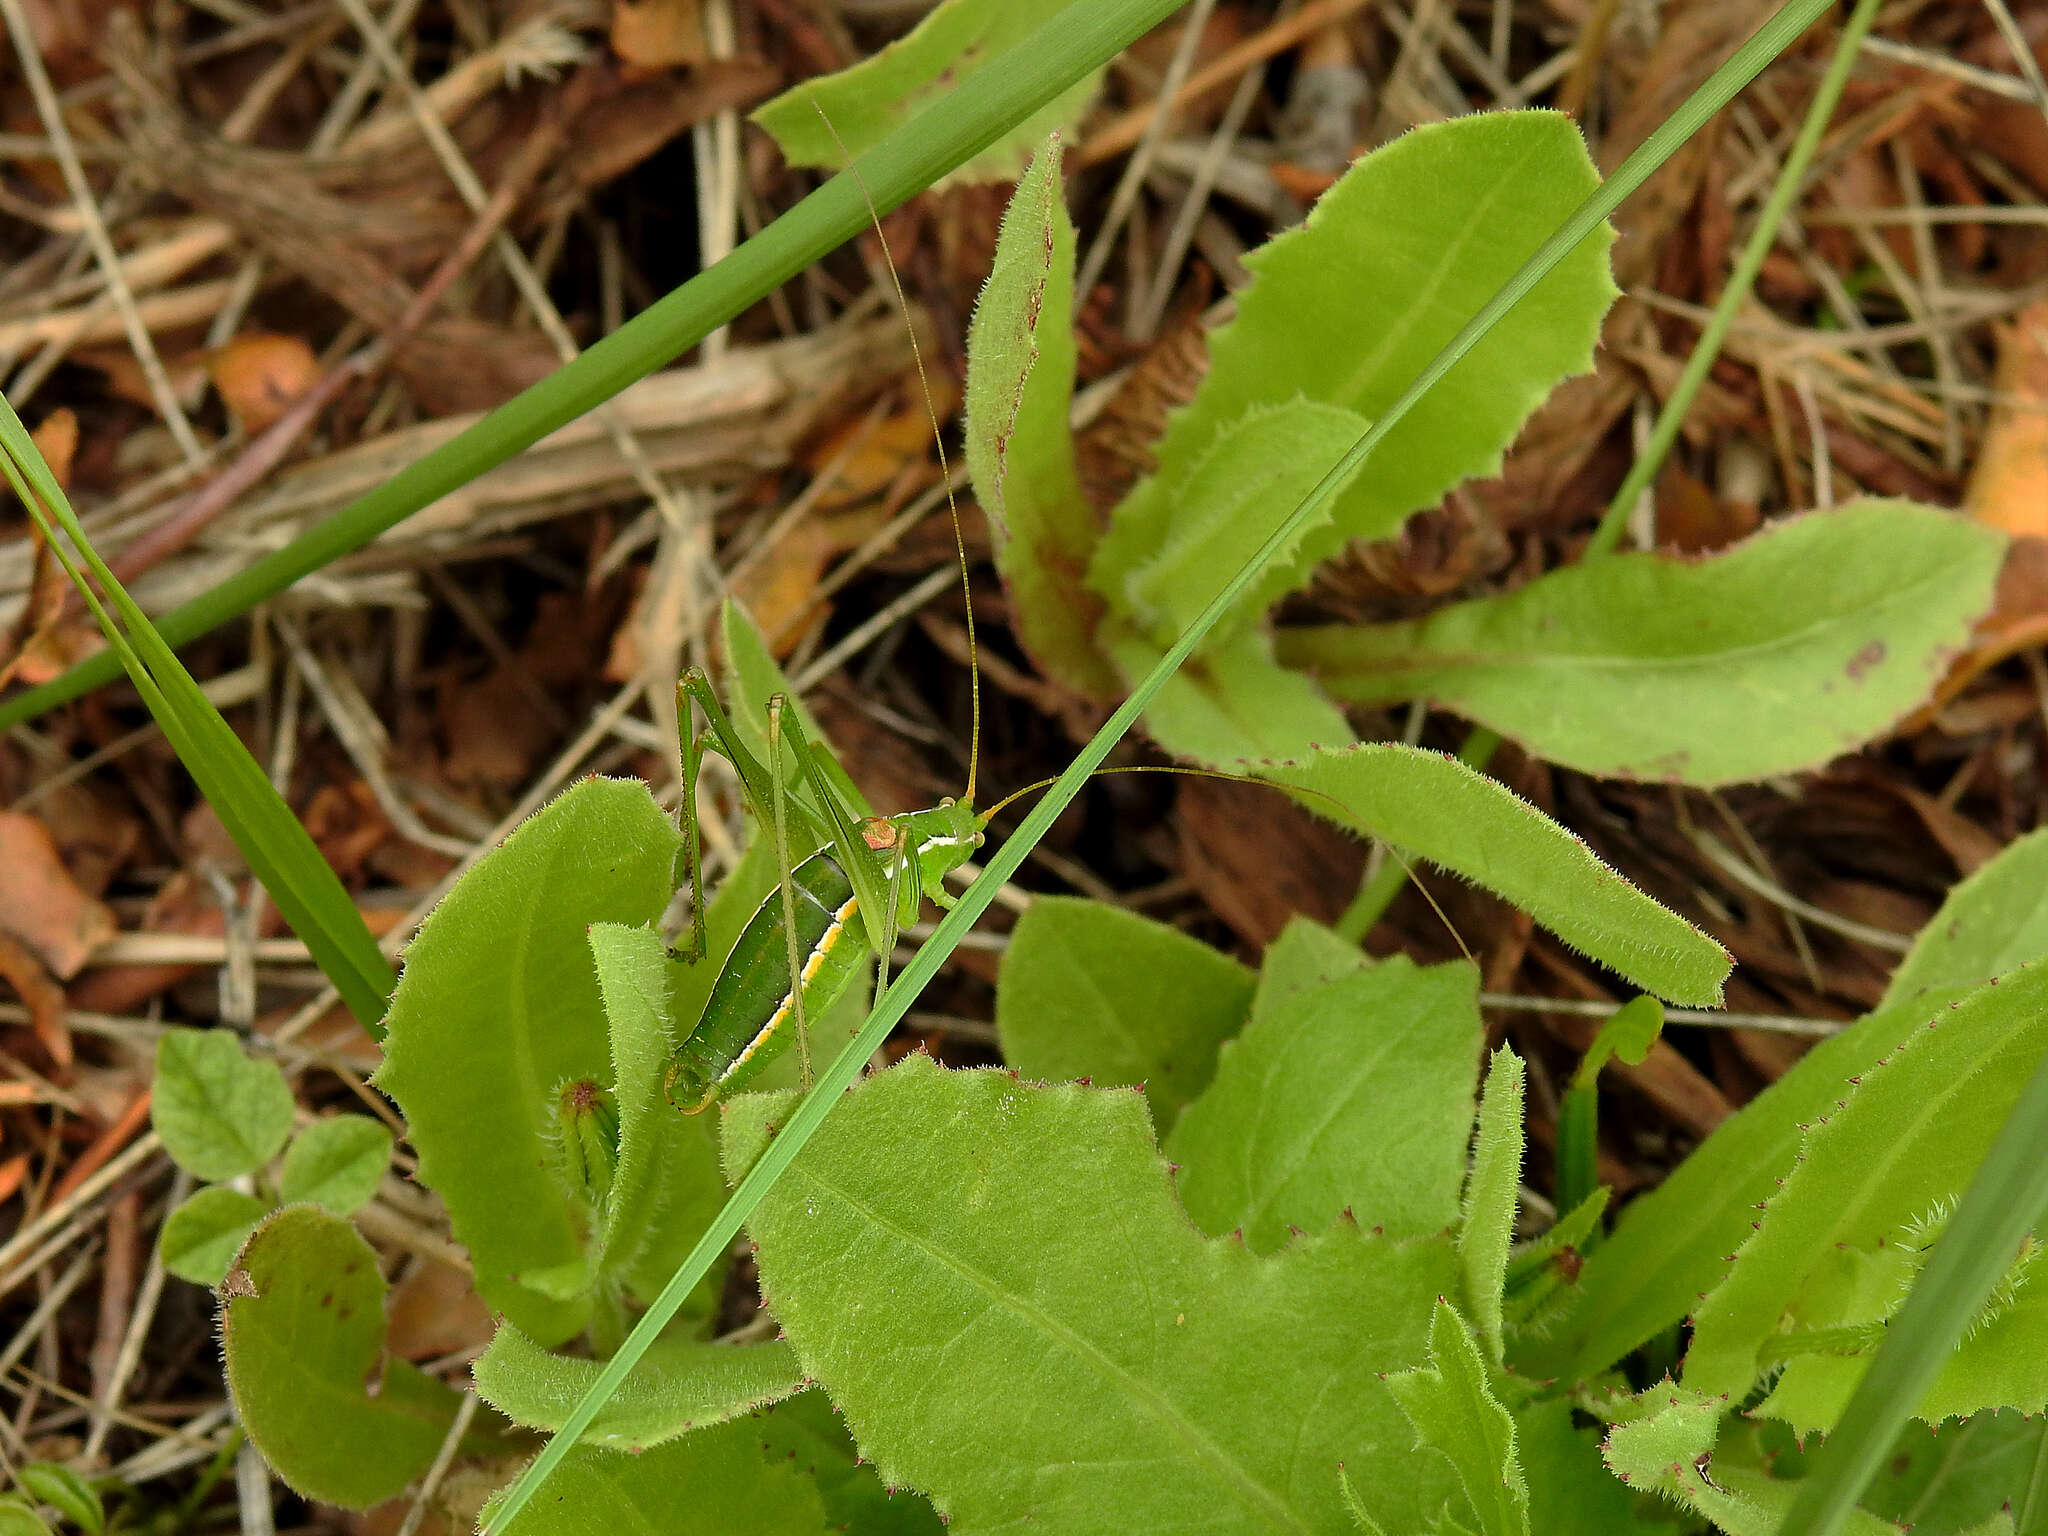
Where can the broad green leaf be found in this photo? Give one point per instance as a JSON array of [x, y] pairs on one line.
[[1436, 808], [202, 1236], [1088, 990], [1119, 1371], [220, 1112], [1698, 671], [1233, 705], [337, 1162], [1252, 473], [302, 1330], [1492, 1192], [825, 120], [1946, 1483], [1355, 1095], [1305, 955], [498, 1007], [1991, 923], [1454, 1411], [667, 1183], [66, 1492], [1904, 1142], [1347, 309], [19, 1518], [807, 1431], [712, 1483], [268, 835], [680, 1385], [1667, 1449], [1020, 450]]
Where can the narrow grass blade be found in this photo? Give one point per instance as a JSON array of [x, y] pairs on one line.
[[1742, 67], [1077, 41], [2005, 1199], [278, 849]]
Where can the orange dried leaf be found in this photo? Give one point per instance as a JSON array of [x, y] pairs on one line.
[[41, 904], [43, 998], [658, 34], [260, 375], [2009, 488]]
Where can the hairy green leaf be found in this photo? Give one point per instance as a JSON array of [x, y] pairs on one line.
[[1492, 1193], [679, 1385], [1665, 1447], [1906, 1140], [1453, 1409], [824, 120], [1355, 1095], [1120, 1371], [711, 1483], [202, 1236], [1020, 450], [337, 1162], [1649, 666], [498, 1007], [1436, 808], [1991, 923], [221, 1113], [1347, 309], [1092, 991], [302, 1330]]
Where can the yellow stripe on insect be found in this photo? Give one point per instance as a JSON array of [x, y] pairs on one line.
[[823, 948]]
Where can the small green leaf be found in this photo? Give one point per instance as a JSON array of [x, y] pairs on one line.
[[1630, 1031], [18, 1517], [66, 1492], [202, 1236], [1091, 991], [1649, 666], [499, 1003], [302, 1329], [1991, 923], [678, 1386], [1121, 1372], [1454, 1411], [1904, 1142], [1020, 450], [712, 1483], [825, 120], [1492, 1193], [1305, 955], [1435, 807], [1355, 1095], [221, 1113], [337, 1162]]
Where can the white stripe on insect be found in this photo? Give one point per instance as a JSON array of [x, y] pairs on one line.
[[818, 953]]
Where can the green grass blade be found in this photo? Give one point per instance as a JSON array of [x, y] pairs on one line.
[[955, 128], [263, 827], [2005, 1199], [1742, 67]]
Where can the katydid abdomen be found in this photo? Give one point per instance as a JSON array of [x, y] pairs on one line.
[[751, 1016]]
